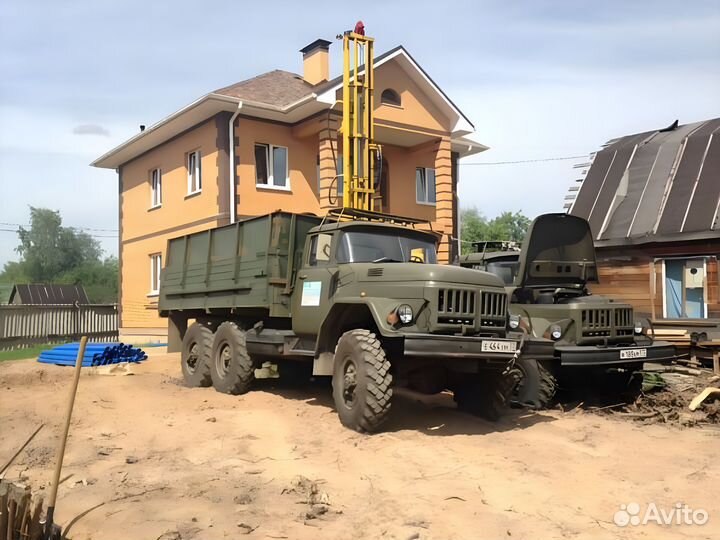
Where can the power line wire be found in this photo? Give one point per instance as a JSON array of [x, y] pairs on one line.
[[69, 227], [565, 158], [91, 235]]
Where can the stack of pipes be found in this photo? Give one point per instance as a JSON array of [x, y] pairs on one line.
[[96, 354]]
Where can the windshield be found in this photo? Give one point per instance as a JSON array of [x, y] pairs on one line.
[[507, 271], [357, 246]]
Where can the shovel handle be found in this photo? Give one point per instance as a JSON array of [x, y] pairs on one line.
[[63, 438]]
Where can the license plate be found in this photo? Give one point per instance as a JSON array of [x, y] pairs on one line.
[[633, 353], [498, 346]]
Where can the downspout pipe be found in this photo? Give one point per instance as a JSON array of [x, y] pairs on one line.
[[231, 171]]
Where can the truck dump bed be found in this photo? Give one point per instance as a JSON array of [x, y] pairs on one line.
[[248, 264]]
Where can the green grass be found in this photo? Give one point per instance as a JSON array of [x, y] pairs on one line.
[[30, 352]]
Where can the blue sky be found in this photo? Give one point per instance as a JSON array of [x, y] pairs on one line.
[[537, 78]]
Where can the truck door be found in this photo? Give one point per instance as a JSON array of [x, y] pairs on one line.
[[313, 289]]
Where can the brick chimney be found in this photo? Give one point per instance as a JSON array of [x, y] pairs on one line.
[[316, 61]]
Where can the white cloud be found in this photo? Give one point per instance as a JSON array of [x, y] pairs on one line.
[[90, 129]]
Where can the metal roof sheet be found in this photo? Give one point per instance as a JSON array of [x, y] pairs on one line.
[[50, 294], [654, 186]]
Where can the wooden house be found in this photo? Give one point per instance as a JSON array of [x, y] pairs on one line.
[[653, 203]]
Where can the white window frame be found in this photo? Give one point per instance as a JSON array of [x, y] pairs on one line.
[[155, 188], [194, 172], [155, 268], [397, 105], [270, 168], [425, 170]]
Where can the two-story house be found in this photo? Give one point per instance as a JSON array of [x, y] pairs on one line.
[[272, 142]]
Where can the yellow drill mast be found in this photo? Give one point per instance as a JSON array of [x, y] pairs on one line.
[[359, 148]]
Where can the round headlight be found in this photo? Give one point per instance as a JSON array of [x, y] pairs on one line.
[[514, 321], [555, 332], [405, 313]]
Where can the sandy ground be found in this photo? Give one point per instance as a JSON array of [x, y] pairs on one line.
[[177, 463]]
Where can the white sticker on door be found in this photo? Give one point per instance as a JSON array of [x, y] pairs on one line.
[[311, 293]]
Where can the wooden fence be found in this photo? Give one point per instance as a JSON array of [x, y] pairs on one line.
[[24, 326]]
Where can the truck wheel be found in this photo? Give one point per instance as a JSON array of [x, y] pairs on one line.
[[361, 381], [487, 396], [537, 385], [232, 370], [195, 355]]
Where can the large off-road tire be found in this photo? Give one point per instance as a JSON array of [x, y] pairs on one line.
[[487, 395], [195, 355], [537, 385], [362, 383], [231, 368]]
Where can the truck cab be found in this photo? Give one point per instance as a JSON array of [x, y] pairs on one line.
[[390, 275], [547, 280]]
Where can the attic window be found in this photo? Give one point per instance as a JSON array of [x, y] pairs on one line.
[[390, 97]]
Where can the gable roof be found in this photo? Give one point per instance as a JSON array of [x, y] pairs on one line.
[[280, 96], [326, 91], [48, 294], [277, 88], [655, 186]]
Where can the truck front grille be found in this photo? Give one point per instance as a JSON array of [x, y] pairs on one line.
[[456, 306], [493, 309], [607, 323], [465, 307]]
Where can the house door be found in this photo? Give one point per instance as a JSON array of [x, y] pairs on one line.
[[685, 288]]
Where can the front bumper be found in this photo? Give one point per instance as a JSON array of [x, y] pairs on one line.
[[537, 348], [595, 355], [460, 347]]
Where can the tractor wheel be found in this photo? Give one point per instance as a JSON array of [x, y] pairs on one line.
[[195, 355], [487, 395], [537, 385], [232, 370], [361, 381]]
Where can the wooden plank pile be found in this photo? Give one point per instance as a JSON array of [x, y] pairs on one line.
[[20, 512], [697, 350], [677, 336]]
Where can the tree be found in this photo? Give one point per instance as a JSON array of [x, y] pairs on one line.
[[51, 253], [474, 227], [48, 249]]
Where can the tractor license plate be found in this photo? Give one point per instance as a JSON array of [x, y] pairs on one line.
[[633, 353], [498, 346]]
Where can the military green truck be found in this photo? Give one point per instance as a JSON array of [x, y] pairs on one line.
[[597, 341], [363, 301]]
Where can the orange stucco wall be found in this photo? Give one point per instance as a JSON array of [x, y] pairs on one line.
[[177, 207], [415, 109], [302, 166], [138, 307], [401, 186], [145, 230]]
